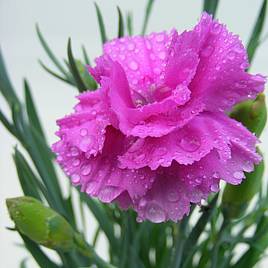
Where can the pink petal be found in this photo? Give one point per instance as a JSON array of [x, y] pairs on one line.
[[100, 176], [176, 187], [190, 143], [221, 78]]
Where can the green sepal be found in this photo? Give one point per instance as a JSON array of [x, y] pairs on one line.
[[40, 223], [85, 76], [252, 114]]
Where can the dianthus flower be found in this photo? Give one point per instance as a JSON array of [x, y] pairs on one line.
[[156, 135]]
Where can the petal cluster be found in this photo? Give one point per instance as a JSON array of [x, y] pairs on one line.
[[156, 136]]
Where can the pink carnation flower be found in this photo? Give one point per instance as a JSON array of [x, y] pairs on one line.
[[155, 136]]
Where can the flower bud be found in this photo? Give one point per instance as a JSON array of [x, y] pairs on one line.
[[252, 114], [41, 224], [236, 198]]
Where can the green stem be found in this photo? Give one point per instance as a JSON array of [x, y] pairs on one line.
[[88, 251], [215, 251]]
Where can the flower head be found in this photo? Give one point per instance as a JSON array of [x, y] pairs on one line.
[[155, 136]]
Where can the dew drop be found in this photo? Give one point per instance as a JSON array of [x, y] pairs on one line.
[[83, 132], [140, 158], [231, 55], [190, 144], [139, 219], [131, 46], [157, 70], [75, 178], [162, 55], [155, 213], [173, 196], [159, 38], [133, 65], [214, 187], [142, 202], [85, 142], [108, 193], [86, 170], [238, 175], [161, 151], [216, 29], [248, 166], [91, 186], [74, 151], [207, 51], [76, 162]]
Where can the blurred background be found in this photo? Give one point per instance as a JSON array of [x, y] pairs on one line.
[[61, 19]]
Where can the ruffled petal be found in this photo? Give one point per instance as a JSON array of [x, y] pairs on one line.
[[176, 187], [100, 176], [190, 143], [221, 78]]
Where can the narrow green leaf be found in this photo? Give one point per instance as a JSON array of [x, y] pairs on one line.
[[86, 58], [6, 87], [101, 24], [210, 6], [31, 110], [55, 74], [199, 227], [23, 263], [28, 181], [102, 218], [257, 247], [73, 68], [120, 23], [9, 126], [96, 236], [130, 23], [40, 257], [254, 40], [147, 15], [50, 53]]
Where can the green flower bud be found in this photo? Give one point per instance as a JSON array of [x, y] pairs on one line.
[[41, 224], [236, 198], [252, 114]]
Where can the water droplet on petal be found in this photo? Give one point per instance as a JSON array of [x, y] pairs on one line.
[[75, 178], [231, 55], [216, 29], [214, 187], [91, 186], [142, 202], [133, 65], [157, 70], [207, 51], [76, 162], [155, 213], [160, 38], [108, 193], [238, 175], [190, 144], [248, 166], [162, 55], [131, 46], [74, 151], [85, 142], [173, 196], [86, 170], [83, 132], [161, 151]]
